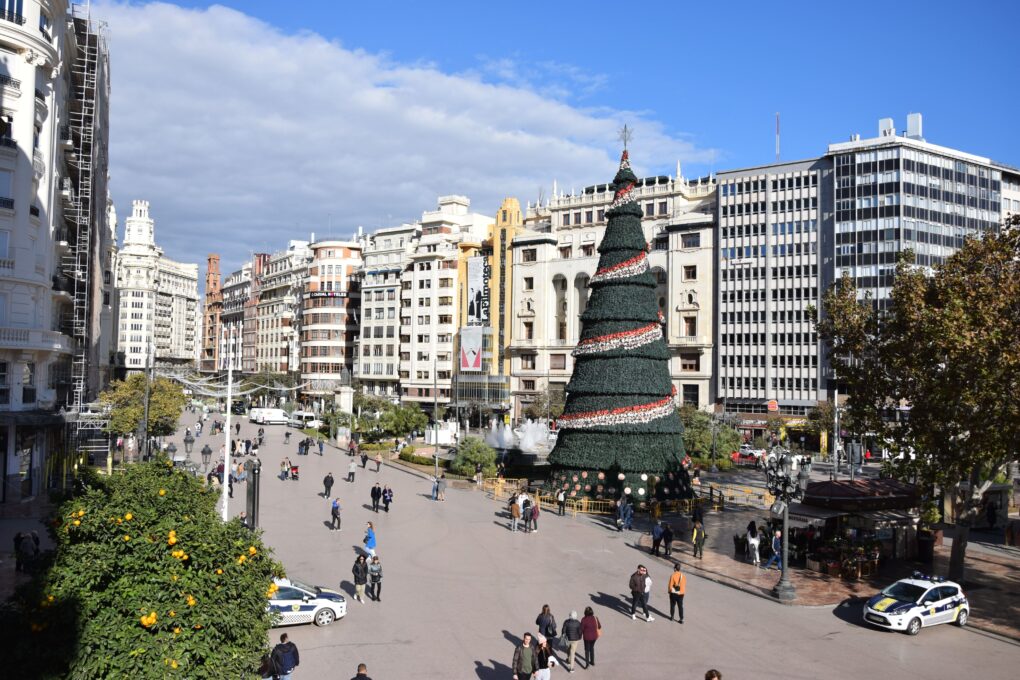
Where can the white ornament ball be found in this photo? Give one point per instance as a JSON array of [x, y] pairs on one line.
[[627, 491], [644, 478], [641, 492], [621, 476]]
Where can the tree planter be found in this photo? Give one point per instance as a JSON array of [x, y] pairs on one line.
[[814, 565], [926, 548]]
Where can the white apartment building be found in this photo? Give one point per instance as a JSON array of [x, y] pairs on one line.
[[429, 301], [280, 290], [329, 317], [386, 254], [54, 236], [159, 306], [235, 293], [553, 263]]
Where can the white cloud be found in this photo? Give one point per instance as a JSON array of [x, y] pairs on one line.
[[242, 136]]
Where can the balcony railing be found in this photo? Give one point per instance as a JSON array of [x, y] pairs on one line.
[[6, 80], [7, 203], [12, 17]]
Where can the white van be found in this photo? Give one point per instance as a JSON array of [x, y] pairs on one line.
[[255, 415], [304, 419], [273, 416]]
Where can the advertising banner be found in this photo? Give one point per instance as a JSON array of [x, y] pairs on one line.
[[471, 349], [478, 291]]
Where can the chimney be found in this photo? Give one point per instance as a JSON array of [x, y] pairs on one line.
[[915, 128]]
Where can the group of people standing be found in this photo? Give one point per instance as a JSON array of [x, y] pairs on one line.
[[368, 572], [534, 657], [520, 506]]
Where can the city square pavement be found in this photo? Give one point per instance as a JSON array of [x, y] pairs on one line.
[[459, 589]]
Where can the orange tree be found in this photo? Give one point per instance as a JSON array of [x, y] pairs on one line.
[[146, 582]]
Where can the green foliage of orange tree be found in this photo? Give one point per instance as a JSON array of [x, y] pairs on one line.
[[948, 347], [146, 582]]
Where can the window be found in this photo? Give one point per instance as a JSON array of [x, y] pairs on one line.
[[565, 252], [557, 361], [690, 272], [602, 215], [528, 362], [529, 255], [5, 240], [529, 330], [528, 385], [662, 207], [690, 241], [588, 217], [566, 219], [5, 385], [28, 383], [690, 326], [690, 394], [529, 283], [588, 250], [690, 362], [577, 218]]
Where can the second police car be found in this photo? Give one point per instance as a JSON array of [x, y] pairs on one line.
[[914, 603], [296, 602]]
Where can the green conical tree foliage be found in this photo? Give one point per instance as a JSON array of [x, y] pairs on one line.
[[619, 427]]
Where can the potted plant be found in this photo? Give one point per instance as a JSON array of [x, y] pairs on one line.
[[926, 533]]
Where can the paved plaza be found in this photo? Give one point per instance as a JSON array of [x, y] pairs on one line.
[[459, 590]]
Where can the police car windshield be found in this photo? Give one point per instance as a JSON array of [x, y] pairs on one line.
[[304, 586], [905, 592]]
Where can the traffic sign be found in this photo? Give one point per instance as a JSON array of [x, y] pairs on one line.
[[773, 405]]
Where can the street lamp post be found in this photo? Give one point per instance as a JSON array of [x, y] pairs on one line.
[[189, 444], [206, 457], [172, 450], [786, 486]]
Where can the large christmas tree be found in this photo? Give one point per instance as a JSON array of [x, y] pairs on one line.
[[620, 431]]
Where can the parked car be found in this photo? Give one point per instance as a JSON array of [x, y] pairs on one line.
[[273, 416], [296, 602], [747, 455], [237, 408], [918, 602], [304, 419]]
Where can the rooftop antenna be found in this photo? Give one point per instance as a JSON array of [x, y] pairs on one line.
[[777, 136]]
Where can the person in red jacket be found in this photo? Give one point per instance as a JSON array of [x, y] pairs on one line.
[[591, 629]]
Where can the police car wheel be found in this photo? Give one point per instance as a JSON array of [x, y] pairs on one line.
[[914, 627], [961, 618], [324, 617]]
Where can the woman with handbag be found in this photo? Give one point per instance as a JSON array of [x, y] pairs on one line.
[[546, 623], [591, 630], [375, 579]]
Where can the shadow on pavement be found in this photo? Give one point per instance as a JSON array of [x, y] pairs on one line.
[[511, 638], [849, 611], [614, 602], [504, 525], [327, 524], [347, 587], [499, 671]]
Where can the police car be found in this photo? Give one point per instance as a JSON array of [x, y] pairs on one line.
[[296, 602], [914, 603]]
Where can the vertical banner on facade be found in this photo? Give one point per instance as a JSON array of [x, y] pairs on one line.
[[471, 348], [477, 291]]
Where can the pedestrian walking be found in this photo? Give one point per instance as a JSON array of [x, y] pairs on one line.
[[362, 673], [753, 543], [515, 517], [369, 540], [545, 658], [247, 447], [713, 674], [676, 589], [525, 661], [285, 658], [571, 634], [561, 501], [378, 462], [376, 497], [435, 488], [284, 468], [591, 631], [237, 429], [387, 498], [667, 538], [360, 573], [656, 538], [620, 514], [546, 623], [640, 587], [526, 513], [327, 484], [698, 537], [441, 487], [375, 579], [334, 515], [534, 518], [351, 469], [322, 446], [364, 460], [478, 474], [777, 551]]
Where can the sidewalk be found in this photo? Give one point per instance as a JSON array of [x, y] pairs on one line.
[[992, 581]]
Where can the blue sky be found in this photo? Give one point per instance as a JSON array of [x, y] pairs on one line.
[[491, 100]]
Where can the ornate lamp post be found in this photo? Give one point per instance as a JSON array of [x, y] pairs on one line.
[[206, 456], [785, 485], [189, 444], [172, 450]]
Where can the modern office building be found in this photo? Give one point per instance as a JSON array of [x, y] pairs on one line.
[[429, 301], [235, 294], [213, 308], [329, 318], [386, 255], [280, 290], [55, 257], [554, 258], [158, 298]]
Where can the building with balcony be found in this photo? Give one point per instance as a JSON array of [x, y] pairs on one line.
[[386, 255], [158, 298], [329, 317], [250, 322], [557, 253], [212, 309], [236, 294], [55, 238], [278, 310], [429, 301]]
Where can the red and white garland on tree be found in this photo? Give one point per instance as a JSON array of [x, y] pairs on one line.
[[623, 415], [630, 267], [631, 339], [623, 194]]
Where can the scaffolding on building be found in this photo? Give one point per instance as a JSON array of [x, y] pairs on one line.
[[82, 210]]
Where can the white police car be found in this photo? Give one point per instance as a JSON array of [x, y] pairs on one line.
[[918, 602], [296, 602]]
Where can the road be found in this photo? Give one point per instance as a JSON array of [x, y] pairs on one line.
[[460, 589]]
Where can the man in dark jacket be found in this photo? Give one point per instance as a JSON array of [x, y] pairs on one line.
[[362, 673], [571, 632], [667, 538], [376, 496], [656, 538], [525, 659], [639, 584], [327, 484], [285, 658]]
